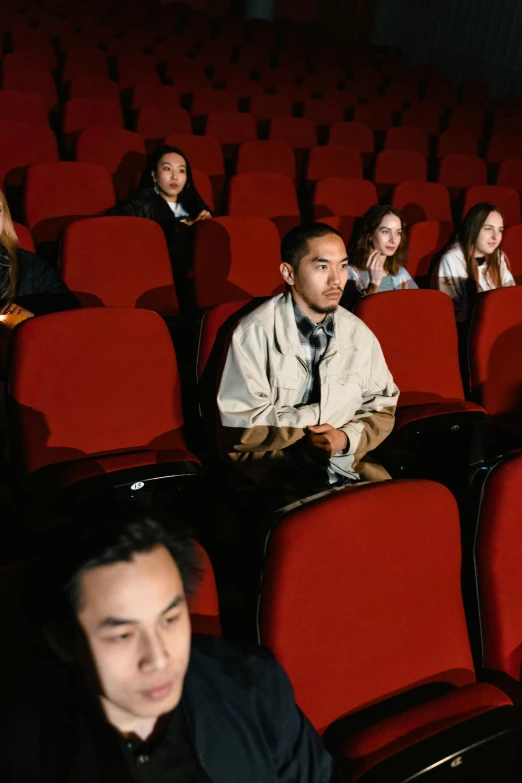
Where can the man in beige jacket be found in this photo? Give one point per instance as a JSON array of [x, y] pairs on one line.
[[305, 392]]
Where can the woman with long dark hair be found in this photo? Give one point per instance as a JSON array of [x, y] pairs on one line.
[[172, 197], [475, 262], [377, 260]]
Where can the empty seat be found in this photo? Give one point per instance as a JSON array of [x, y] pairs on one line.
[[510, 174], [19, 106], [427, 117], [231, 127], [343, 197], [104, 418], [58, 193], [423, 201], [266, 107], [459, 172], [95, 87], [475, 93], [235, 258], [21, 145], [181, 67], [495, 360], [265, 195], [25, 239], [32, 81], [457, 143], [298, 132], [324, 111], [512, 249], [507, 126], [102, 262], [146, 93], [208, 99], [425, 239], [80, 113], [189, 83], [376, 117], [406, 138], [442, 92], [504, 148], [271, 78], [352, 134], [132, 75], [274, 156], [243, 87], [325, 79], [157, 121], [467, 119], [27, 61], [122, 152], [428, 684], [297, 93], [393, 166], [85, 61], [332, 160], [510, 106], [503, 197]]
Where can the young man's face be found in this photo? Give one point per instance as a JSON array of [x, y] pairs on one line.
[[320, 279], [136, 621]]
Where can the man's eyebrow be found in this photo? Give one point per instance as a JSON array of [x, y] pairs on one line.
[[327, 260], [115, 622]]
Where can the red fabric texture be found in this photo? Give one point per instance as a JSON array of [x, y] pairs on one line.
[[512, 248], [146, 92], [351, 615], [510, 174], [462, 171], [494, 351], [189, 83], [122, 152], [272, 156], [324, 111], [208, 99], [352, 134], [131, 75], [344, 225], [393, 166], [21, 145], [27, 60], [212, 322], [243, 87], [388, 737], [91, 381], [266, 107], [23, 106], [423, 201], [332, 160], [32, 81], [25, 239], [156, 121], [95, 87], [498, 552], [344, 196], [426, 117], [417, 407], [263, 194], [103, 262], [271, 78], [467, 119], [405, 138], [503, 148], [375, 116], [85, 62], [57, 192], [204, 152], [79, 113], [457, 143], [423, 359], [235, 258], [231, 127], [425, 239], [298, 132], [506, 198], [204, 187]]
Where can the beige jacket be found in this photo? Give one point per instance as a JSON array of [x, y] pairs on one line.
[[263, 378]]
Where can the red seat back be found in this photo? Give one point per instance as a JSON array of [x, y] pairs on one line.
[[421, 348], [265, 195], [332, 160], [103, 263], [510, 174], [503, 148], [204, 152], [462, 171], [218, 319], [208, 99], [345, 560], [231, 127], [95, 87], [423, 116], [32, 81], [457, 143], [21, 145], [324, 111], [375, 116], [235, 258], [22, 106], [407, 138], [512, 248], [494, 350], [393, 166], [122, 152], [426, 238], [91, 381], [152, 93], [506, 198], [423, 201], [266, 107], [343, 196], [269, 156], [352, 134], [25, 240], [298, 132], [159, 120], [80, 113]]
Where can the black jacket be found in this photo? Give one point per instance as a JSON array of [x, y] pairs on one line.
[[38, 287], [240, 713]]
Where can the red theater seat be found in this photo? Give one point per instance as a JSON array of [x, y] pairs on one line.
[[377, 117], [103, 263], [343, 196], [189, 83], [406, 138], [266, 107], [504, 148], [231, 128], [332, 160], [459, 172], [352, 134], [374, 714], [113, 422], [457, 143], [122, 152], [324, 111], [510, 174], [426, 117], [85, 61], [21, 145], [423, 201], [467, 119], [235, 258], [146, 93], [242, 87], [95, 87], [208, 100], [24, 80], [265, 195], [27, 61], [25, 240], [512, 248], [81, 113], [425, 239], [155, 122], [274, 156], [344, 225], [58, 193], [19, 106], [394, 166], [298, 132], [506, 198]]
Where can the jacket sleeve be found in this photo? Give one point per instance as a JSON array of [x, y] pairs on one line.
[[300, 754], [250, 422], [49, 294], [374, 420], [128, 209]]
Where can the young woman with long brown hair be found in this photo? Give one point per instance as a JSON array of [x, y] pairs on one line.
[[475, 261], [377, 261]]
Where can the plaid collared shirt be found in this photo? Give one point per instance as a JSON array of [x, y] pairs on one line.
[[314, 339]]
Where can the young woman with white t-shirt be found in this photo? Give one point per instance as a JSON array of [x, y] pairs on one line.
[[475, 262]]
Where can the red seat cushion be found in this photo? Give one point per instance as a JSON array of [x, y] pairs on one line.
[[423, 408]]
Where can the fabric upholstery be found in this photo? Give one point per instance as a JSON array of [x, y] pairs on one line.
[[298, 132], [332, 160], [343, 196], [456, 143], [376, 117], [423, 201], [122, 152], [426, 238], [266, 107], [356, 135], [25, 239], [212, 322], [208, 99], [203, 603], [21, 145], [157, 121], [426, 117], [95, 87], [406, 138], [32, 81], [231, 127], [271, 156], [462, 171], [393, 166], [204, 152], [23, 106], [264, 194]]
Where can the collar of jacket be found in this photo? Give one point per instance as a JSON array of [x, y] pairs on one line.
[[287, 337]]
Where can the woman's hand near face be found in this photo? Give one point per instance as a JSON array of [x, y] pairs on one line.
[[375, 267]]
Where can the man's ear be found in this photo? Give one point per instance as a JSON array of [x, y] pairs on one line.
[[153, 175], [287, 273]]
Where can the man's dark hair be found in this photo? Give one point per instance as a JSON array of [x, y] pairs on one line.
[[295, 243], [110, 534]]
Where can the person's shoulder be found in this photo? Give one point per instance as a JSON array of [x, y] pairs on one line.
[[352, 323], [453, 255], [30, 263], [247, 665], [262, 317]]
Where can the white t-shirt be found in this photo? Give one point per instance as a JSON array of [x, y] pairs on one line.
[[178, 210]]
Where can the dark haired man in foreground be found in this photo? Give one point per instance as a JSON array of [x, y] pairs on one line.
[[305, 392], [137, 699]]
